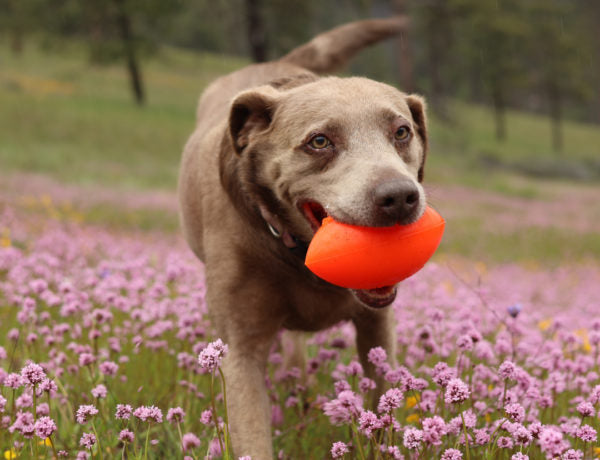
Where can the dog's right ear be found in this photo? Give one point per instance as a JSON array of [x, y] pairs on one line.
[[251, 112]]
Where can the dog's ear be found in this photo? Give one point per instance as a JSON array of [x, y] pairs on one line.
[[417, 107], [251, 112]]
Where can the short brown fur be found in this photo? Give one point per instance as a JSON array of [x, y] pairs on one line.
[[248, 165]]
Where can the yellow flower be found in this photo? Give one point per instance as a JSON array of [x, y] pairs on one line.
[[412, 418], [545, 324], [488, 418], [10, 454], [412, 401], [45, 442], [5, 242], [583, 333]]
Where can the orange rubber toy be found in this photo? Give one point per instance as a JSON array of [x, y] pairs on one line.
[[373, 257]]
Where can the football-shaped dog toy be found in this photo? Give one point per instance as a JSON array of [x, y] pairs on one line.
[[372, 257]]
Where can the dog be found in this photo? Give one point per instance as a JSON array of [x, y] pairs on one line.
[[277, 148]]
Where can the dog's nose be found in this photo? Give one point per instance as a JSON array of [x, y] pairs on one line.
[[396, 200]]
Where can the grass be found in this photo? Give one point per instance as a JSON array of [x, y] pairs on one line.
[[77, 123]]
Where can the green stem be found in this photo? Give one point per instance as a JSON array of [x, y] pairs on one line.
[[97, 441], [146, 443], [358, 443], [214, 409], [226, 416], [53, 448], [462, 417]]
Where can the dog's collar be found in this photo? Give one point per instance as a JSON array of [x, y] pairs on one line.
[[293, 243]]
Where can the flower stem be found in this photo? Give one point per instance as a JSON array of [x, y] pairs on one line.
[[226, 417], [466, 436], [214, 408], [97, 441], [358, 443]]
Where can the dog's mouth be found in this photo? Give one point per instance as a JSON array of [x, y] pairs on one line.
[[314, 213], [376, 298]]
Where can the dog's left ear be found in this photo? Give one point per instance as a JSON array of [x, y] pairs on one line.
[[417, 105], [251, 112]]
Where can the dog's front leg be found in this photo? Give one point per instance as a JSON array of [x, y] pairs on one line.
[[248, 405], [375, 328], [245, 314]]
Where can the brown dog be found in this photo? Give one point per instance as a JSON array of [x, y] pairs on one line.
[[275, 150]]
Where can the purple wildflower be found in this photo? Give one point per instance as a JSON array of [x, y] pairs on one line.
[[586, 409], [368, 422], [126, 436], [44, 427], [390, 400], [123, 411], [33, 374], [515, 412], [210, 358], [339, 449], [189, 441], [84, 413], [175, 415], [344, 408], [87, 440], [451, 454], [412, 438], [587, 433], [457, 392], [99, 391], [506, 371]]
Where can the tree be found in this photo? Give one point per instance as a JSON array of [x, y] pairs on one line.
[[556, 49], [492, 36]]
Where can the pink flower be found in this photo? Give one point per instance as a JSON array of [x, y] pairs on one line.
[[515, 412], [339, 449], [368, 422], [457, 392], [189, 441], [210, 358], [442, 374], [390, 400], [84, 413], [44, 427], [506, 371], [206, 417], [377, 356], [519, 456], [126, 436], [109, 368], [151, 413], [586, 409], [587, 433], [123, 411], [344, 408], [433, 430], [87, 440], [175, 415], [412, 438], [2, 403], [33, 374], [451, 454], [99, 392], [572, 454], [14, 381]]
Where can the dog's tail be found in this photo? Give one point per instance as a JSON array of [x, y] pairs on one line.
[[332, 50]]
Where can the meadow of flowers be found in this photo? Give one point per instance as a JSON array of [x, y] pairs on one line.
[[107, 351]]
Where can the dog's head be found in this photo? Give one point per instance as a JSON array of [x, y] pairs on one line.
[[351, 148]]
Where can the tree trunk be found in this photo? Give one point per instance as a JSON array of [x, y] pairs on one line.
[[135, 76], [499, 110], [405, 57], [555, 103], [257, 36], [438, 41]]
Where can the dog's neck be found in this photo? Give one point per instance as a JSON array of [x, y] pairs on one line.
[[277, 229]]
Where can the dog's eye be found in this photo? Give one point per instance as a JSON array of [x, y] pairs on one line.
[[319, 142], [402, 133]]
